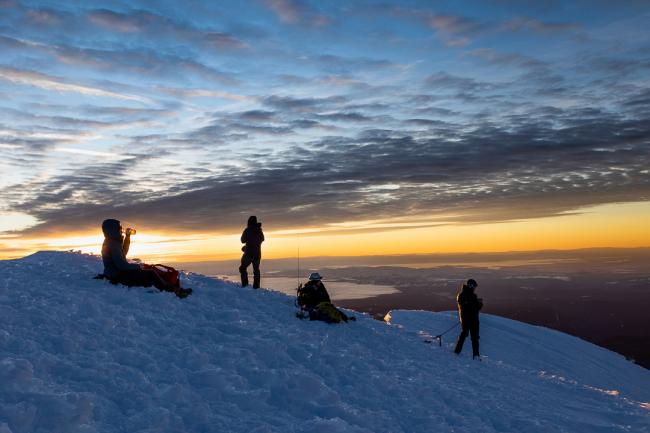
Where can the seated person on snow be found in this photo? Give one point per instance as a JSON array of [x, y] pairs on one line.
[[315, 302], [119, 271]]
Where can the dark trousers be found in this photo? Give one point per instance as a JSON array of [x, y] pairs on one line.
[[142, 277], [468, 328], [246, 261]]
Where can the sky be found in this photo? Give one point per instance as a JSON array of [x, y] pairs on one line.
[[348, 128]]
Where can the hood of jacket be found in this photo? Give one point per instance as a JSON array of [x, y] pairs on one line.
[[467, 289], [111, 229]]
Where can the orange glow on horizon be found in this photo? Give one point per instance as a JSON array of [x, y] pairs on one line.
[[614, 225]]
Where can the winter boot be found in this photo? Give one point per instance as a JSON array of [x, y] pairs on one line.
[[183, 293]]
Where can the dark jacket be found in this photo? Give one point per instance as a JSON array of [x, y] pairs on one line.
[[253, 238], [468, 305], [114, 250], [312, 294]]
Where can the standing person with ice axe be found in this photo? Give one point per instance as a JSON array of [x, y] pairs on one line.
[[468, 306], [253, 238]]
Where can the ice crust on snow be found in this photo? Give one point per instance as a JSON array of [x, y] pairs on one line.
[[82, 355]]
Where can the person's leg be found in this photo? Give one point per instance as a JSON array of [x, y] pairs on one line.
[[461, 338], [158, 282], [256, 272], [127, 278], [474, 331], [162, 285], [243, 269]]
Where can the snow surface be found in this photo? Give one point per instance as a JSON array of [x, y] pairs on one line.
[[82, 355]]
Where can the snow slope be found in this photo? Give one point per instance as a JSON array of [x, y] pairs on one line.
[[82, 355]]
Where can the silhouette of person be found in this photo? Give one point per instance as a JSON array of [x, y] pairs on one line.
[[468, 307], [313, 292], [119, 271], [315, 302], [253, 238]]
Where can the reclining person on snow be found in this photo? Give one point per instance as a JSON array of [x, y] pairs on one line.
[[315, 302], [119, 271]]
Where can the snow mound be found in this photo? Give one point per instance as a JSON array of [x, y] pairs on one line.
[[82, 355]]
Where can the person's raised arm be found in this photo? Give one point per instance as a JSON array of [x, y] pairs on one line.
[[127, 243], [243, 237]]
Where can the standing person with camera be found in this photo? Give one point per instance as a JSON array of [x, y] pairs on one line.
[[253, 238], [468, 306]]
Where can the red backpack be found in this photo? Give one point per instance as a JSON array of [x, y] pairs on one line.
[[167, 273]]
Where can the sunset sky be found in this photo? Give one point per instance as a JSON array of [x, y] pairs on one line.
[[348, 128]]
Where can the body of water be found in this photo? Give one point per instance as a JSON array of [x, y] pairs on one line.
[[338, 290]]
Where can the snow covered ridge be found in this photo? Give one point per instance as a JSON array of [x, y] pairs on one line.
[[82, 355]]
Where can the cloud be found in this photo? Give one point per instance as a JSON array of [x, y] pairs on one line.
[[201, 93], [79, 151], [119, 22], [146, 22], [257, 115], [539, 76], [120, 113], [539, 165], [618, 64], [513, 59], [445, 81], [288, 11], [47, 17], [296, 12], [125, 61], [340, 64], [49, 82], [453, 25], [226, 111], [290, 103], [641, 100], [455, 30], [92, 118], [345, 116], [34, 140], [531, 24], [458, 30]]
